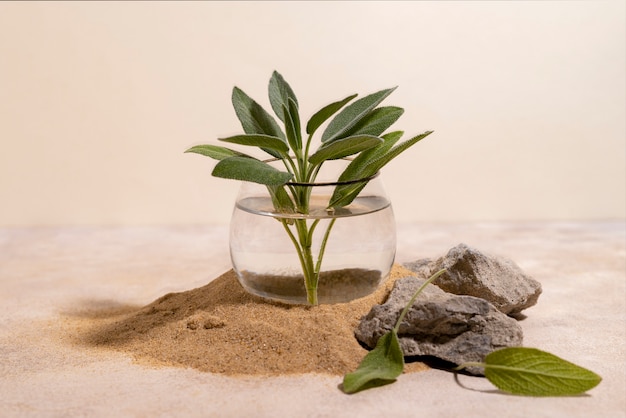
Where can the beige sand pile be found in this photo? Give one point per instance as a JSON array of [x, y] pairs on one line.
[[220, 328]]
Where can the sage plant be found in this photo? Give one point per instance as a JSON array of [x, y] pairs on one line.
[[357, 130]]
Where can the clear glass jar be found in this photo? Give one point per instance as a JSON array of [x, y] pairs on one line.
[[315, 255]]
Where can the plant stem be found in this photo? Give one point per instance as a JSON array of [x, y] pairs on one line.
[[303, 244], [415, 295], [303, 247], [318, 266], [305, 256], [312, 229], [293, 238], [290, 165], [311, 278], [306, 149]]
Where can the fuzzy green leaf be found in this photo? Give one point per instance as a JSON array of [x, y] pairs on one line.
[[380, 366], [344, 147], [295, 117], [281, 200], [356, 168], [292, 126], [261, 141], [215, 152], [324, 113], [390, 140], [353, 114], [279, 93], [344, 194], [254, 119], [249, 169], [378, 163], [377, 121], [528, 371]]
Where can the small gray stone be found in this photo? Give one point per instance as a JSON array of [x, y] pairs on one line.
[[454, 328], [495, 279]]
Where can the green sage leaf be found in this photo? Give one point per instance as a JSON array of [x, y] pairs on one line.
[[215, 152], [344, 194], [367, 166], [390, 140], [380, 366], [295, 117], [344, 147], [351, 115], [356, 169], [528, 371], [249, 169], [292, 126], [281, 200], [324, 113], [386, 361], [258, 140], [254, 119], [378, 163], [279, 93], [377, 121]]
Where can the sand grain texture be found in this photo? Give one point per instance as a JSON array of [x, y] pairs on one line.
[[220, 328]]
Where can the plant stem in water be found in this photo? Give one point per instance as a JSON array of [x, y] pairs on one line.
[[318, 266], [303, 243]]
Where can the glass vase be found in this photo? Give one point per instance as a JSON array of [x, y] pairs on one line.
[[314, 254]]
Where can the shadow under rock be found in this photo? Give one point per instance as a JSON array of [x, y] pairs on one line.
[[111, 323], [434, 363]]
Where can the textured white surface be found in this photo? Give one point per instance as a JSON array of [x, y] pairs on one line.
[[47, 272]]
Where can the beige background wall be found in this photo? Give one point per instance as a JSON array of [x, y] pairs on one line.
[[98, 101]]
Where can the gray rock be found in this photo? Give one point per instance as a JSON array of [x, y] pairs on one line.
[[450, 327], [495, 279]]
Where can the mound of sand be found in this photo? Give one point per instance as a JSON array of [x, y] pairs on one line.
[[220, 328]]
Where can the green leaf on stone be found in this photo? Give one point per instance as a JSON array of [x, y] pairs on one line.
[[249, 169], [529, 371], [258, 140], [379, 367], [344, 147], [324, 113], [353, 114], [216, 152], [386, 361]]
